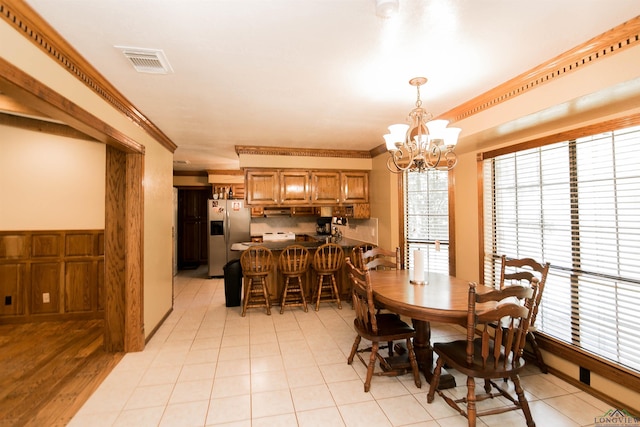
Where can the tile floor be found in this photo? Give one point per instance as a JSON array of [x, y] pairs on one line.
[[207, 365]]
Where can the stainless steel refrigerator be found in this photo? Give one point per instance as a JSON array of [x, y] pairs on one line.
[[228, 223]]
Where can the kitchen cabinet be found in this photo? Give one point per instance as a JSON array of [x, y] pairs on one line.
[[325, 187], [302, 189], [262, 187], [354, 187], [294, 187]]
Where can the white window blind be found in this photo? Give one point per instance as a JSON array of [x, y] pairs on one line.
[[427, 218], [575, 204]]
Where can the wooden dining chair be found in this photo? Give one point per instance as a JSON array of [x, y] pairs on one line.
[[356, 251], [381, 259], [327, 262], [496, 353], [256, 262], [293, 263], [526, 271], [377, 328]]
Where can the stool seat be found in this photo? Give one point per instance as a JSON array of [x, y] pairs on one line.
[[257, 263], [327, 260], [293, 263]]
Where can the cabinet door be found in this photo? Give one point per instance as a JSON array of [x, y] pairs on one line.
[[294, 187], [325, 188], [262, 187], [355, 187]]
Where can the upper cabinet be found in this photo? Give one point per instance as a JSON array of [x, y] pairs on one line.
[[354, 186], [269, 187], [262, 187]]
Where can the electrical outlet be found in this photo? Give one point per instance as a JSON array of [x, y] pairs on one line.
[[46, 298]]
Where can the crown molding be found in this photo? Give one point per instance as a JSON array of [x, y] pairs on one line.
[[301, 152], [27, 22]]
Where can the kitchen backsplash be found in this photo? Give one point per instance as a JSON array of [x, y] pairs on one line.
[[365, 230]]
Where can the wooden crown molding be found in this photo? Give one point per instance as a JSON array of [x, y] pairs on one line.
[[618, 39], [301, 152], [27, 22]]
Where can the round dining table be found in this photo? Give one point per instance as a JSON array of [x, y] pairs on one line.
[[441, 298]]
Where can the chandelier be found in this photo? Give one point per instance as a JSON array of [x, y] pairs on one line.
[[424, 143]]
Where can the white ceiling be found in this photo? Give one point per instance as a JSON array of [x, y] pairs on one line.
[[315, 73]]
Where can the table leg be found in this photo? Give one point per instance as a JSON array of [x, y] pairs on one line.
[[424, 354]]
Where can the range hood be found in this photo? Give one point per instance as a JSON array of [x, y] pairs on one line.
[[276, 211]]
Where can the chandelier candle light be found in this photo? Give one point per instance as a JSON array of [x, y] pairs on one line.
[[423, 144]]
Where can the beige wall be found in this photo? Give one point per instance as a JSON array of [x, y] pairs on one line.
[[158, 169], [50, 182]]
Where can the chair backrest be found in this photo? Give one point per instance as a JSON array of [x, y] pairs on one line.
[[381, 259], [256, 260], [294, 259], [328, 258], [362, 296], [356, 258], [511, 308], [524, 271]]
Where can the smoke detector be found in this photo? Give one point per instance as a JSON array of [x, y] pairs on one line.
[[145, 60], [386, 8]]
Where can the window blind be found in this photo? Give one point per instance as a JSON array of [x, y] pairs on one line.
[[575, 204], [427, 218]]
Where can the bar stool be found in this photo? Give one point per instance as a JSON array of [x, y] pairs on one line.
[[327, 261], [256, 262], [293, 263]]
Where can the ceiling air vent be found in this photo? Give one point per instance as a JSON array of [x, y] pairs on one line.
[[144, 60]]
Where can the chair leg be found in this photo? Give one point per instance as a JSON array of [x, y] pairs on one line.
[[354, 349], [435, 380], [265, 292], [247, 291], [319, 291], [284, 295], [523, 401], [304, 299], [414, 364], [371, 365], [471, 401], [536, 350], [335, 290]]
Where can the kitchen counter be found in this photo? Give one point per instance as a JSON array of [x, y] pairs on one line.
[[344, 242]]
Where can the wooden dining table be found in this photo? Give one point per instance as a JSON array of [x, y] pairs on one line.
[[442, 299]]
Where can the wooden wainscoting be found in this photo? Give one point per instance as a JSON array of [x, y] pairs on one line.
[[51, 275]]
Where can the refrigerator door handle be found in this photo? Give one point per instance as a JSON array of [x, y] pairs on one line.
[[227, 227]]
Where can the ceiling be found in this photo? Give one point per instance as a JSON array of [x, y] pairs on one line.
[[324, 74]]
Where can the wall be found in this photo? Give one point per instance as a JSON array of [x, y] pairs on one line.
[[158, 168], [50, 182]]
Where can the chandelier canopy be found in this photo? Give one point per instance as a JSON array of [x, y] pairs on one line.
[[422, 144]]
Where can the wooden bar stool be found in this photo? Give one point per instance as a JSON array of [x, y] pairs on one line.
[[293, 263], [327, 260], [256, 262]]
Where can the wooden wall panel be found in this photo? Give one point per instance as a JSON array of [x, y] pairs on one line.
[[45, 279], [46, 245], [79, 285], [13, 246], [12, 283], [81, 244]]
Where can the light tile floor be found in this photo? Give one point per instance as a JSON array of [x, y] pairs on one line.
[[207, 365]]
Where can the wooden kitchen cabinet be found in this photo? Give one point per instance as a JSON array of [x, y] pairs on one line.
[[262, 187], [354, 187], [325, 187], [294, 187]]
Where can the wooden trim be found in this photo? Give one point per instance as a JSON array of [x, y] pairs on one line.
[[26, 21], [32, 93], [480, 183], [190, 173], [606, 126], [451, 195], [301, 152], [224, 172], [49, 128], [618, 39]]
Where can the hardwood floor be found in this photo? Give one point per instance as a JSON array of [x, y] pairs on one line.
[[48, 370]]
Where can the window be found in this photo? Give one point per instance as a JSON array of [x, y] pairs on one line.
[[575, 204], [427, 218]]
